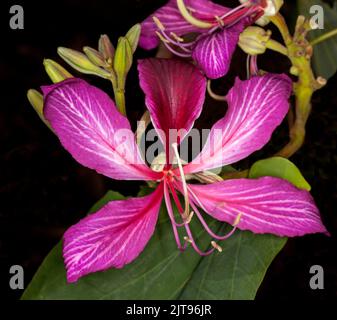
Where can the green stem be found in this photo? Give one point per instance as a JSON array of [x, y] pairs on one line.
[[324, 37], [119, 95], [276, 46], [300, 57]]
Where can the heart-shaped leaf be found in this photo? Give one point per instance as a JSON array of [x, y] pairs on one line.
[[280, 168]]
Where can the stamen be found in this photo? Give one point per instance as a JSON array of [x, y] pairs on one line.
[[221, 23], [179, 54], [245, 4], [252, 68], [187, 239], [186, 213], [158, 23], [237, 220], [207, 228], [195, 247], [248, 66], [161, 37], [214, 95], [189, 218], [176, 37], [183, 46], [189, 18], [171, 216], [235, 15], [176, 199], [216, 246], [178, 204]]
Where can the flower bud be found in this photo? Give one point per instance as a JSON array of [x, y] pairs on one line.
[[122, 61], [133, 36], [95, 56], [81, 63], [36, 100], [106, 48], [253, 40], [55, 71]]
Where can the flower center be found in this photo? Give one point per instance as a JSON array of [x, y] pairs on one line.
[[174, 181]]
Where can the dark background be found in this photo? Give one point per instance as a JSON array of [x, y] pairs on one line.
[[43, 190]]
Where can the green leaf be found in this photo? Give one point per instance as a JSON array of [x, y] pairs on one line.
[[325, 53], [163, 272], [235, 273], [280, 168]]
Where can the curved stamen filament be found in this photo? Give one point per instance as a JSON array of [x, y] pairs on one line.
[[252, 68], [189, 18], [214, 95], [216, 246], [179, 54], [207, 228], [176, 199], [163, 35], [186, 214], [171, 216], [169, 207], [176, 37], [194, 245], [165, 38]]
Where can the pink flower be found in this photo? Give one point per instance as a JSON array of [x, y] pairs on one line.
[[88, 125], [218, 30]]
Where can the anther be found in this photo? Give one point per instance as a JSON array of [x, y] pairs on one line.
[[216, 246], [189, 217], [187, 239], [219, 20], [158, 23], [176, 37], [237, 220], [161, 37]]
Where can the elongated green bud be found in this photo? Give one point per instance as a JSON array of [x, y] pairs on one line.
[[55, 71], [80, 62], [106, 48], [36, 100], [122, 61], [253, 40], [95, 56], [133, 36]]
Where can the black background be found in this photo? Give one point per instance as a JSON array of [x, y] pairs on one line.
[[43, 190]]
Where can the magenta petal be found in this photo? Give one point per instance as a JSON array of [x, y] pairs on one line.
[[170, 17], [89, 126], [112, 237], [255, 108], [175, 92], [267, 205], [213, 53]]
